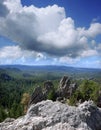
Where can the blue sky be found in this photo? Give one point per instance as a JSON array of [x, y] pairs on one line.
[[51, 32], [82, 11]]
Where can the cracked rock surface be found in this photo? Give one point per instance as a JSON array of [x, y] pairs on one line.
[[49, 115]]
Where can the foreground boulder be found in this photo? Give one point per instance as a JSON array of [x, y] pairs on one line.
[[48, 115]]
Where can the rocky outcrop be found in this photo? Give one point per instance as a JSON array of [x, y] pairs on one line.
[[48, 86], [37, 96], [41, 93], [48, 115], [64, 82], [66, 88], [99, 99]]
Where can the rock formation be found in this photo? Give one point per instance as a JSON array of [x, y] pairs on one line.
[[66, 88], [48, 115], [37, 96], [48, 86], [40, 93]]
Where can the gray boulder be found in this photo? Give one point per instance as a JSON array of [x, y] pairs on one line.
[[48, 115]]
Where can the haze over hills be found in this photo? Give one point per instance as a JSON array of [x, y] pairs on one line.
[[48, 72], [54, 69], [48, 68]]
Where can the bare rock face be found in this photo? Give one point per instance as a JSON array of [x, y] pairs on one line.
[[64, 82], [66, 88], [40, 94], [48, 86], [48, 115], [37, 96]]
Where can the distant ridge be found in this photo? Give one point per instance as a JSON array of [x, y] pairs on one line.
[[47, 67]]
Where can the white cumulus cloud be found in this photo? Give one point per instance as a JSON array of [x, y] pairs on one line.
[[14, 54], [47, 30]]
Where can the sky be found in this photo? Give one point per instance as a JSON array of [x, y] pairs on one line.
[[50, 32]]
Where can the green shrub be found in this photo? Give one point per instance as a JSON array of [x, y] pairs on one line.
[[87, 90], [51, 95]]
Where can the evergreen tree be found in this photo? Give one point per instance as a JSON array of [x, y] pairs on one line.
[[3, 114]]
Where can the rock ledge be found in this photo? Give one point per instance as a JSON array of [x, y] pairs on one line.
[[48, 115]]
